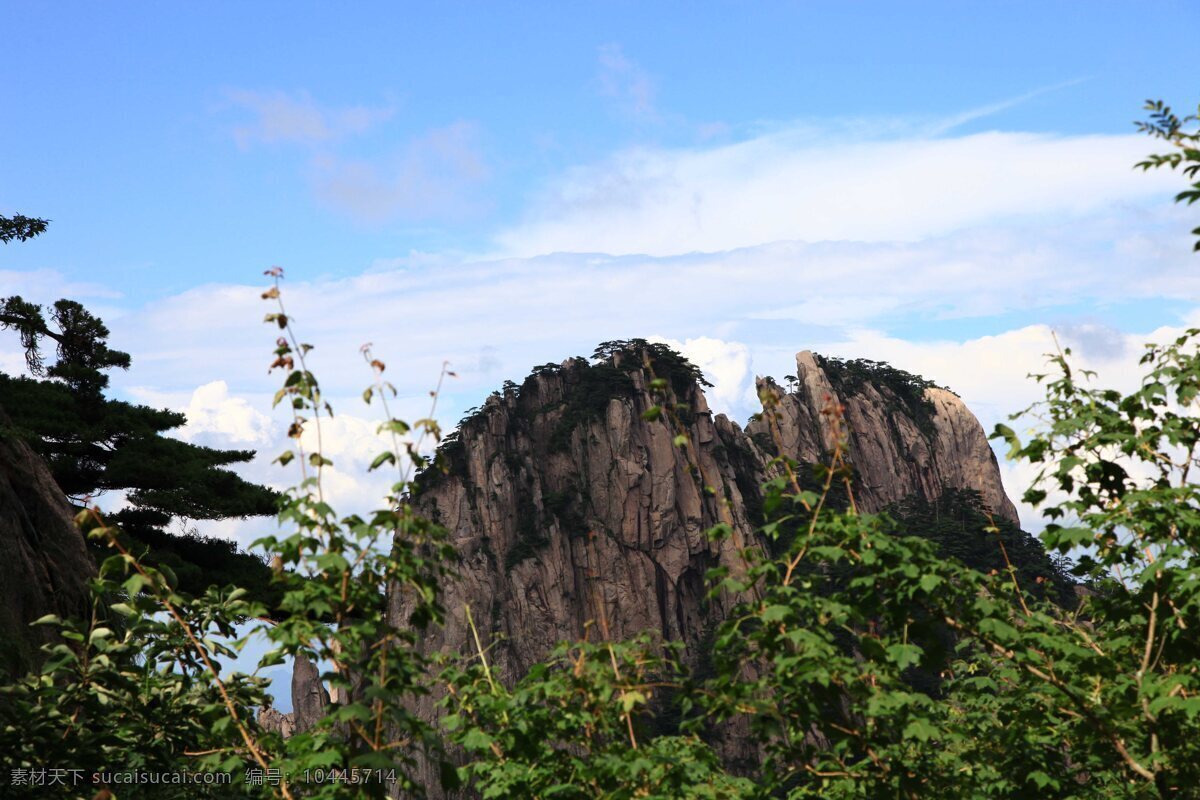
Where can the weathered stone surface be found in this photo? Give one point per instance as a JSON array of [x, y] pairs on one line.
[[44, 563], [272, 719], [559, 528], [309, 697], [893, 454], [575, 517]]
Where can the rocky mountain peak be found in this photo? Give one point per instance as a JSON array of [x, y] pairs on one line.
[[571, 507], [570, 510], [906, 436]]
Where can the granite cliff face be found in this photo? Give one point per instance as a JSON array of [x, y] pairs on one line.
[[569, 509], [906, 436], [44, 563], [576, 517], [571, 512]]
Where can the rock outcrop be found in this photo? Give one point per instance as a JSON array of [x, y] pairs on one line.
[[569, 510], [309, 698], [576, 517], [906, 437], [272, 719], [44, 563]]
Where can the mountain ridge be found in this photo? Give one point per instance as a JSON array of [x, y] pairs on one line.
[[576, 514]]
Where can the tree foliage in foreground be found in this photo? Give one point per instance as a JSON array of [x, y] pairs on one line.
[[1165, 124], [962, 527], [20, 228], [814, 673]]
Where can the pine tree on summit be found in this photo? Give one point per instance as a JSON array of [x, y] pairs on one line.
[[94, 444]]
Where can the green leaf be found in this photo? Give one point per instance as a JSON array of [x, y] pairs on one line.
[[386, 457], [930, 582], [776, 613], [905, 655], [1006, 433], [396, 426], [1042, 780], [475, 739], [630, 699], [919, 729]]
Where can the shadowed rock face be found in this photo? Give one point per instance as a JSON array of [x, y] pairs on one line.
[[309, 698], [575, 518], [572, 513], [44, 563], [568, 508]]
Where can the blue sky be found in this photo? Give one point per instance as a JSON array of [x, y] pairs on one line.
[[499, 185], [118, 122]]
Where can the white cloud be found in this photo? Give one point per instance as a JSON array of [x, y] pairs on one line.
[[47, 285], [434, 176], [216, 418], [805, 242], [494, 320], [545, 310], [296, 118], [953, 121], [1095, 340], [12, 363], [212, 411], [729, 367], [626, 84], [991, 374], [798, 184]]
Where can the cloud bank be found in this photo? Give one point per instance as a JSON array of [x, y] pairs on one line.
[[801, 185], [279, 117]]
